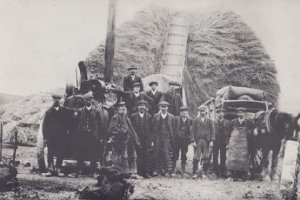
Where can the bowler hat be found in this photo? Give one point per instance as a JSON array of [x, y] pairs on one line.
[[164, 103]]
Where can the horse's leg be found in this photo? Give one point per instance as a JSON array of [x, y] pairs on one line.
[[265, 161], [274, 165]]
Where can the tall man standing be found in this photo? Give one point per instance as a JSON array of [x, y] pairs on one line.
[[182, 138], [163, 124], [222, 131], [141, 122], [173, 98], [131, 79], [156, 96], [123, 135], [55, 130], [89, 136], [203, 136]]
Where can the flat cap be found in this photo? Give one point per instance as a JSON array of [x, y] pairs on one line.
[[56, 96], [182, 108], [241, 109], [142, 102], [136, 84], [219, 110], [153, 82], [121, 104], [132, 67], [202, 108], [174, 83], [164, 103]]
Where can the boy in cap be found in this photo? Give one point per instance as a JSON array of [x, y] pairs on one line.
[[156, 96], [131, 79], [222, 132], [55, 129], [141, 122], [163, 124], [203, 136], [173, 98], [124, 138], [182, 137]]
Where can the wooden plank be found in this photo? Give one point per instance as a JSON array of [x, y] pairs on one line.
[[288, 183]]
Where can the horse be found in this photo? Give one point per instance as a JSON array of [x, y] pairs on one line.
[[272, 127]]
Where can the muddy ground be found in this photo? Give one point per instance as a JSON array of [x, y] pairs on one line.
[[33, 186]]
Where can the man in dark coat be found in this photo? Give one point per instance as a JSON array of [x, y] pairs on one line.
[[132, 98], [203, 135], [89, 136], [131, 79], [173, 98], [156, 96], [222, 132], [55, 130], [141, 122], [182, 137], [124, 138], [163, 124]]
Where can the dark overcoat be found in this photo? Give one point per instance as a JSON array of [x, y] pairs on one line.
[[174, 99], [144, 132], [128, 82], [154, 106]]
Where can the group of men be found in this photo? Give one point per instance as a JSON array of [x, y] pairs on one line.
[[147, 133]]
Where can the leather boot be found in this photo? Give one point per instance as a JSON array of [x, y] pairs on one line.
[[183, 168], [195, 166]]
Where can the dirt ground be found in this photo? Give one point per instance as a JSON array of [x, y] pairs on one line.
[[33, 186]]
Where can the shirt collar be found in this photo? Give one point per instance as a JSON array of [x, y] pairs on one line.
[[184, 118], [241, 120], [141, 114], [153, 92], [136, 94], [56, 108], [132, 77], [163, 115], [202, 119]]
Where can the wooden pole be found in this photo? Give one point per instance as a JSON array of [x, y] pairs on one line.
[[1, 137], [110, 41]]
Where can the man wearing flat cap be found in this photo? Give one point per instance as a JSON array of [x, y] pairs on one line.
[[163, 124], [55, 130], [173, 98], [182, 138], [222, 132], [89, 136], [131, 79], [156, 96], [141, 122], [124, 139], [203, 135], [132, 98], [240, 145]]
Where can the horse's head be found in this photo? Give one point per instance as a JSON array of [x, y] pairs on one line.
[[284, 124]]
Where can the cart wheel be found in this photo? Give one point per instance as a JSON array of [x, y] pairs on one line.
[[41, 150]]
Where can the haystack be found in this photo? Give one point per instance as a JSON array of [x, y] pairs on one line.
[[221, 50]]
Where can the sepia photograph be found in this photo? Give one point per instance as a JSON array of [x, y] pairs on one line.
[[149, 99]]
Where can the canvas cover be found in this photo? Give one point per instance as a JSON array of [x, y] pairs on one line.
[[233, 93], [238, 154]]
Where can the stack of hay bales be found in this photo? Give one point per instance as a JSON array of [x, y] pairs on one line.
[[24, 116], [221, 50]]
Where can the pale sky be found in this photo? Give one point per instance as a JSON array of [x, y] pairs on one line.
[[41, 42]]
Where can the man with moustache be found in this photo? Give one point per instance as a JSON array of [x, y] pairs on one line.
[[173, 98], [240, 145], [156, 96], [55, 130], [131, 79], [163, 124], [182, 138], [222, 131], [141, 122], [203, 135]]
